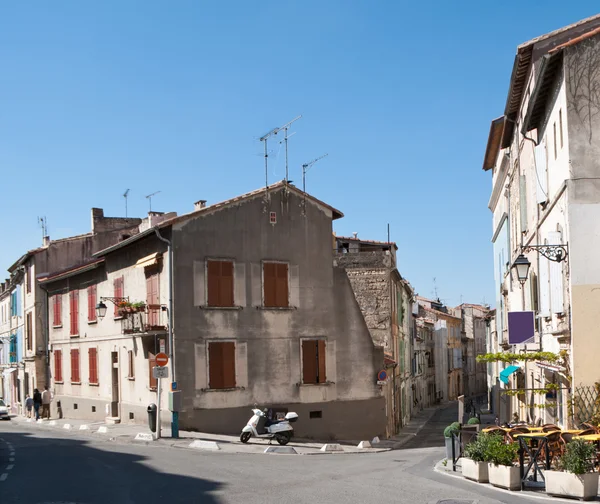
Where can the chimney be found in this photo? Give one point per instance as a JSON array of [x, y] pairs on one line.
[[46, 241], [200, 204]]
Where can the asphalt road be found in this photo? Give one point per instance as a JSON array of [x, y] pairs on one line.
[[42, 467]]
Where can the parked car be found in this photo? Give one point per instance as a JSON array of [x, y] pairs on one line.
[[3, 411]]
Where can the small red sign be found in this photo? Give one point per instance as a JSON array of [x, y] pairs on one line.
[[162, 359]]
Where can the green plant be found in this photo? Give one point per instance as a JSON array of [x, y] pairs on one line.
[[477, 450], [473, 421], [445, 462], [500, 453], [140, 305], [510, 357], [453, 428], [578, 457]]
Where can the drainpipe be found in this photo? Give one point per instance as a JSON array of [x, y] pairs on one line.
[[175, 414]]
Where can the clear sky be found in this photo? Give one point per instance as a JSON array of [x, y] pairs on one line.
[[100, 97]]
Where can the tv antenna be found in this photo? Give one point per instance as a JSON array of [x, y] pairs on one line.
[[125, 196], [149, 198], [308, 166], [266, 137], [44, 225], [435, 291]]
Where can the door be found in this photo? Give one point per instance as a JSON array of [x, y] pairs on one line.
[[115, 385]]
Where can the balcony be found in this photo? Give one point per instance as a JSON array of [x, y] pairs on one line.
[[151, 320]]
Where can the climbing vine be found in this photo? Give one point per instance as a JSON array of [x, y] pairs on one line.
[[511, 357]]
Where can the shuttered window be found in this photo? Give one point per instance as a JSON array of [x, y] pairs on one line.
[[93, 365], [74, 311], [221, 365], [118, 292], [58, 376], [152, 382], [220, 283], [313, 362], [29, 330], [91, 292], [275, 278], [131, 369], [28, 275], [153, 298], [75, 377], [557, 302], [57, 308]]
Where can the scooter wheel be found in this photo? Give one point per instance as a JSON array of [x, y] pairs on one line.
[[245, 437], [283, 439]]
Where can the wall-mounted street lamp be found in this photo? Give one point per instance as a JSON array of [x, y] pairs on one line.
[[522, 266], [555, 253], [101, 307]]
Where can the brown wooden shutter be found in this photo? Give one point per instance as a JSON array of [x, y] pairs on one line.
[[153, 298], [75, 366], [282, 285], [213, 268], [228, 354], [215, 366], [321, 358], [153, 382], [57, 309], [270, 284], [29, 331], [226, 284], [309, 361], [58, 366]]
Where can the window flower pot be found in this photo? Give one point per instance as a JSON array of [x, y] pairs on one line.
[[565, 484], [508, 477], [476, 471]]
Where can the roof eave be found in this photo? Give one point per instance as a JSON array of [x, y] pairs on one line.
[[493, 143], [51, 278]]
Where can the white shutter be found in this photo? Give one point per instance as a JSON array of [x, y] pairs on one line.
[[541, 170], [523, 202], [544, 290], [556, 277]]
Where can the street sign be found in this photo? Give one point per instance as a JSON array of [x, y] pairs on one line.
[[162, 359], [160, 372]]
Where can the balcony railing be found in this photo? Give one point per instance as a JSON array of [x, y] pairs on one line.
[[150, 320]]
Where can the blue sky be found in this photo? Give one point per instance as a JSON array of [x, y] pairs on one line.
[[100, 97]]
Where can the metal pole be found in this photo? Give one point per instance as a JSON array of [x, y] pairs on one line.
[[159, 380], [266, 165]]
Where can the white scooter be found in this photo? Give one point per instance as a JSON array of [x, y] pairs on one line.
[[258, 426]]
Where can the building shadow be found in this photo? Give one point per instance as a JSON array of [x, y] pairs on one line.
[[47, 469]]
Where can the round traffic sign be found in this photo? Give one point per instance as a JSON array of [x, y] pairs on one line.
[[382, 375], [162, 359]]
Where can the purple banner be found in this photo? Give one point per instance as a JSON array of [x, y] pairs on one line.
[[521, 327]]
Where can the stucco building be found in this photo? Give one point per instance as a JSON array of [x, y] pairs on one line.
[[544, 157]]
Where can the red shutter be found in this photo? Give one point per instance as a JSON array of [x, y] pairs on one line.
[[75, 378], [74, 311], [58, 366], [118, 288], [322, 378], [309, 361], [57, 309], [93, 365], [91, 303], [153, 298]]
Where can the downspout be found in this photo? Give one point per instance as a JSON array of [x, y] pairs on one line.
[[46, 331]]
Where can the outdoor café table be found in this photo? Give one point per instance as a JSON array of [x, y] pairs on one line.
[[590, 437], [534, 452]]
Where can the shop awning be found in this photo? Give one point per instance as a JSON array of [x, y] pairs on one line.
[[505, 373], [150, 260]]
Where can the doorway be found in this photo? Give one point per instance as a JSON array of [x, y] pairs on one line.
[[114, 405]]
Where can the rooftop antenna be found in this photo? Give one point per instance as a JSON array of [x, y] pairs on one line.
[[44, 225], [149, 198], [305, 168], [125, 196], [265, 138], [435, 291]]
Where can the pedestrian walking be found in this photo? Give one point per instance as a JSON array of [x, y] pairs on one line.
[[46, 400], [28, 406], [37, 402]]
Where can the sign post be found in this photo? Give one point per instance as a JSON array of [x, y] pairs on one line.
[[160, 372]]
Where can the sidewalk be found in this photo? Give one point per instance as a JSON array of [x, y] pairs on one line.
[[134, 434]]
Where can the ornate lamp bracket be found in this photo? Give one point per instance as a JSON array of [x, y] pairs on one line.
[[556, 253]]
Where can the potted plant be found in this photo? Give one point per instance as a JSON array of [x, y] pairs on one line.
[[453, 428], [574, 479], [501, 471], [473, 421], [475, 460], [138, 307]]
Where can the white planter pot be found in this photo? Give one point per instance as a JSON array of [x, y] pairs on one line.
[[580, 486], [476, 471], [505, 476], [449, 447]]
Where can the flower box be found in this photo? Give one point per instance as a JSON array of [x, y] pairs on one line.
[[508, 477], [476, 471], [566, 484]]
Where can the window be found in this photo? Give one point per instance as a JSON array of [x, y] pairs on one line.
[[275, 285], [220, 283], [58, 377], [13, 305], [93, 365], [221, 365], [153, 298], [555, 149], [75, 378], [57, 308], [118, 288], [560, 127], [153, 382], [130, 360], [91, 292], [74, 312], [29, 330], [313, 362], [28, 279]]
